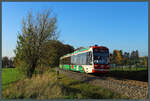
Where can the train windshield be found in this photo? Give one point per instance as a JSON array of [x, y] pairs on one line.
[[100, 56]]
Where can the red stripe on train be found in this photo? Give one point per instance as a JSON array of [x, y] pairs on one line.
[[83, 68]]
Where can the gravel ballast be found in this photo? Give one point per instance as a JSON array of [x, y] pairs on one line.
[[130, 88]]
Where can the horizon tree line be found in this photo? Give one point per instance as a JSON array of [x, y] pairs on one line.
[[119, 58]]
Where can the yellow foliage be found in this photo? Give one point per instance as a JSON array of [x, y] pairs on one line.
[[118, 56]]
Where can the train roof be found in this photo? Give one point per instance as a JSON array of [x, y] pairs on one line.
[[77, 51], [81, 50]]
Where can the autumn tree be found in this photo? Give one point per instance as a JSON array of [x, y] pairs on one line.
[[36, 31], [117, 57]]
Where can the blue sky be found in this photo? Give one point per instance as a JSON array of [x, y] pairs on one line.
[[122, 26]]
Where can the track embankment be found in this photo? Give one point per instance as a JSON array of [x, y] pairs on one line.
[[130, 88]]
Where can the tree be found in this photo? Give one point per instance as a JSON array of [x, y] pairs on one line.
[[5, 61], [111, 58], [54, 50], [11, 62], [79, 48], [145, 61], [121, 56], [117, 57], [126, 57], [134, 57], [68, 49], [136, 54], [36, 32]]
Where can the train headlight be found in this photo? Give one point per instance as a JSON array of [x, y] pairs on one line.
[[95, 65]]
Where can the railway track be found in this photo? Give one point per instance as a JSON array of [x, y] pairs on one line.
[[132, 89]]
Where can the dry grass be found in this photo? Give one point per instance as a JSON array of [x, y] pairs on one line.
[[47, 86], [38, 87]]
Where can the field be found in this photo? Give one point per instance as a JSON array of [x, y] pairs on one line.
[[50, 86], [10, 75], [140, 74], [129, 69]]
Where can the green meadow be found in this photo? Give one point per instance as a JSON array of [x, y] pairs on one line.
[[10, 75]]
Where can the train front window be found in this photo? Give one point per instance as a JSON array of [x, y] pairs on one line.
[[101, 57]]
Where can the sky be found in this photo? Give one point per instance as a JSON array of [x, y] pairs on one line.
[[116, 25]]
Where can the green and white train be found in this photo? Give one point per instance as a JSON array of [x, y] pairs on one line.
[[94, 59]]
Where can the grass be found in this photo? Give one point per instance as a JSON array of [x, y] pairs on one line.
[[128, 69], [49, 86], [141, 74], [10, 75], [75, 89], [38, 87]]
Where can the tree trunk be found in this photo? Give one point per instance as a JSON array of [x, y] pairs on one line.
[[31, 71]]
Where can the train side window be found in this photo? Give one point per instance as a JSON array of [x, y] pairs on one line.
[[69, 60], [84, 58], [72, 59], [79, 62], [81, 59], [89, 58], [78, 59], [66, 60]]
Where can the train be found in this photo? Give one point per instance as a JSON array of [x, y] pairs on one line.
[[94, 59]]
